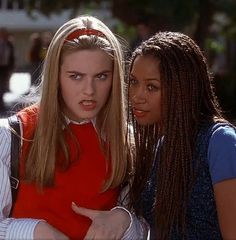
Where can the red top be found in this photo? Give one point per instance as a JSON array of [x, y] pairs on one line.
[[81, 183]]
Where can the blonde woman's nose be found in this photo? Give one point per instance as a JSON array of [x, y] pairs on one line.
[[89, 87]]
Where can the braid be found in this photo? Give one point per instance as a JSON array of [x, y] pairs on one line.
[[187, 97]]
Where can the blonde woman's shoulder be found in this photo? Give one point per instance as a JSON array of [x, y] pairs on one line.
[[5, 132], [5, 142], [4, 127]]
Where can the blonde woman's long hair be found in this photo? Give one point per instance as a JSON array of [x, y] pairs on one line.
[[41, 159]]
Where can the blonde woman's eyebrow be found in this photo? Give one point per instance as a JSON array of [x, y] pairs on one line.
[[104, 71], [77, 72]]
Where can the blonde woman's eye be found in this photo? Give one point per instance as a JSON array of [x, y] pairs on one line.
[[75, 76], [102, 76]]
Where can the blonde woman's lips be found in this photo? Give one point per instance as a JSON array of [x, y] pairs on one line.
[[88, 105]]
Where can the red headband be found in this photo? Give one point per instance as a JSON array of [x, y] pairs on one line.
[[84, 31]]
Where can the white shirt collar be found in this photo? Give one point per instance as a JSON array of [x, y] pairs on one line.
[[68, 121], [93, 121]]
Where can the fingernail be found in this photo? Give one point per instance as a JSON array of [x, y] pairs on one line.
[[73, 204]]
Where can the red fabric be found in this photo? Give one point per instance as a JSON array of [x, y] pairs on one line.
[[81, 183]]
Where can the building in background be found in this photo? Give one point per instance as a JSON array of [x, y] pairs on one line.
[[21, 25]]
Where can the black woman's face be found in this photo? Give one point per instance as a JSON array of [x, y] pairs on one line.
[[145, 90]]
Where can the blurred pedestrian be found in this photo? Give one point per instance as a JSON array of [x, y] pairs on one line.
[[35, 57], [7, 61], [46, 39], [143, 32]]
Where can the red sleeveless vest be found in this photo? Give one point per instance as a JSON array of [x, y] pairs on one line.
[[81, 183]]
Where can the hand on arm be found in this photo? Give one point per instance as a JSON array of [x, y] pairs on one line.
[[45, 231], [105, 224]]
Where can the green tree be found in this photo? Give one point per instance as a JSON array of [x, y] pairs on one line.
[[204, 20], [195, 16]]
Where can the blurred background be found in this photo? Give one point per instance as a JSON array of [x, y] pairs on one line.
[[27, 26]]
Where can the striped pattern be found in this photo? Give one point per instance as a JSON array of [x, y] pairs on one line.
[[138, 228], [10, 228]]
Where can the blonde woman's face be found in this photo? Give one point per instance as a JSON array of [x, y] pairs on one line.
[[85, 82], [145, 90]]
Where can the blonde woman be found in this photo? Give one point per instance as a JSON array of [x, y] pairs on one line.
[[73, 137]]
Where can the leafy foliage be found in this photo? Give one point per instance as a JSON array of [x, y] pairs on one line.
[[204, 20]]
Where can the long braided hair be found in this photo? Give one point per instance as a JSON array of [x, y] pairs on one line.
[[187, 99]]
